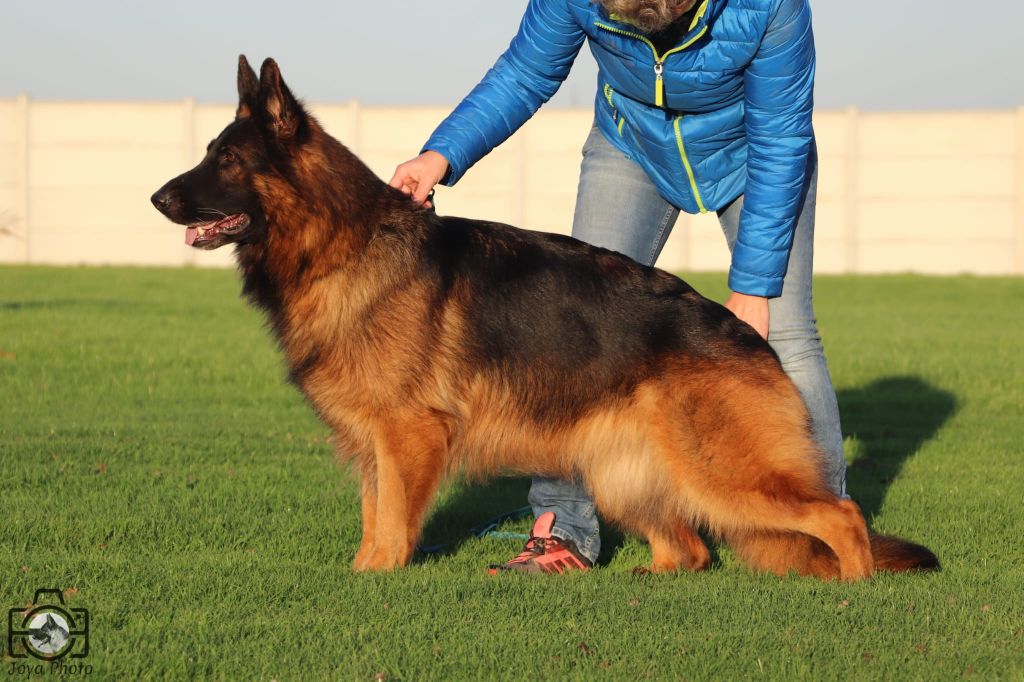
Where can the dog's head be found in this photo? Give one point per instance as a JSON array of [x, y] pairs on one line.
[[219, 200]]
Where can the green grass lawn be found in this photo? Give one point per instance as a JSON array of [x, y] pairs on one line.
[[154, 463]]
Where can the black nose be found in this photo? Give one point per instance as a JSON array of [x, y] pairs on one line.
[[162, 200]]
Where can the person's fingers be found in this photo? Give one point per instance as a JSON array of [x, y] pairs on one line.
[[409, 179], [398, 179], [421, 192]]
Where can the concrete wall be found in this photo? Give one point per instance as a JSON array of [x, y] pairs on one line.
[[925, 192]]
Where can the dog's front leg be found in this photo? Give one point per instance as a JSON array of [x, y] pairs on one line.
[[409, 459], [368, 493]]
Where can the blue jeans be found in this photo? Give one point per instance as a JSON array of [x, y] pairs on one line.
[[618, 208]]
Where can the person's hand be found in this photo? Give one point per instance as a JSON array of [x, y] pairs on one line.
[[751, 309], [417, 177]]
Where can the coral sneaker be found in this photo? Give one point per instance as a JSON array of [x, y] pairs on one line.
[[544, 553]]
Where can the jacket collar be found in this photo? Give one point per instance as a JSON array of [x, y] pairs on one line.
[[706, 10]]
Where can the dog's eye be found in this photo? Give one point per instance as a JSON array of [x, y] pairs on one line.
[[228, 157]]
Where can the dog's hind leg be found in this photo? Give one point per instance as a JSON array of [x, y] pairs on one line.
[[677, 546], [743, 457], [835, 522], [840, 525], [410, 455], [780, 553]]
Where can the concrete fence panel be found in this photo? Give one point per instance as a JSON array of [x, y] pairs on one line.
[[934, 192]]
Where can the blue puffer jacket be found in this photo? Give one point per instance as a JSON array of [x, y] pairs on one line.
[[725, 112]]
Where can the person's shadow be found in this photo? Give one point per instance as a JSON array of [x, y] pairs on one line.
[[890, 417]]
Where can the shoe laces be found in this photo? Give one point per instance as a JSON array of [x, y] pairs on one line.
[[534, 547]]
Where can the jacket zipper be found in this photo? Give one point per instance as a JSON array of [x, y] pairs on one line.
[[616, 116], [686, 163], [659, 60]]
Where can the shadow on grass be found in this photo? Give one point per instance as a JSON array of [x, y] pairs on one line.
[[892, 418], [468, 506]]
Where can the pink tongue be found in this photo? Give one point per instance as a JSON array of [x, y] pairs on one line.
[[190, 235]]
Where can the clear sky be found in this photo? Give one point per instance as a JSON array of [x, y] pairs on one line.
[[879, 54]]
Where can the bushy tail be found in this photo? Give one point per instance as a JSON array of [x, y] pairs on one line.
[[896, 554], [781, 553]]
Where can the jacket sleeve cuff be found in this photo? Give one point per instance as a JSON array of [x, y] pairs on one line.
[[457, 164], [742, 282]]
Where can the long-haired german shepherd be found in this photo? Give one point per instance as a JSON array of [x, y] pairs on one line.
[[432, 344]]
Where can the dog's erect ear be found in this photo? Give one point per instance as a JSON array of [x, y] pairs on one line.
[[282, 112], [248, 89]]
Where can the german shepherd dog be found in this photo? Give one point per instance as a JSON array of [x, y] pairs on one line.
[[434, 344]]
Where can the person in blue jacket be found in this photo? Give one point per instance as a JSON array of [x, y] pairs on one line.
[[701, 105]]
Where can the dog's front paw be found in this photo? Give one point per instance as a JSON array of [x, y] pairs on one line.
[[362, 556], [379, 558]]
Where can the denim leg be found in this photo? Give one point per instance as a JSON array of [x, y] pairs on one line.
[[793, 331], [617, 208], [617, 205]]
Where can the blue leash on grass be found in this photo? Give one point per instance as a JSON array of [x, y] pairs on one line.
[[488, 529]]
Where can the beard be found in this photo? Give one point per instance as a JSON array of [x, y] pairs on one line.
[[650, 16]]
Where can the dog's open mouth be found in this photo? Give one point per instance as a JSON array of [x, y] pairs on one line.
[[201, 233]]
